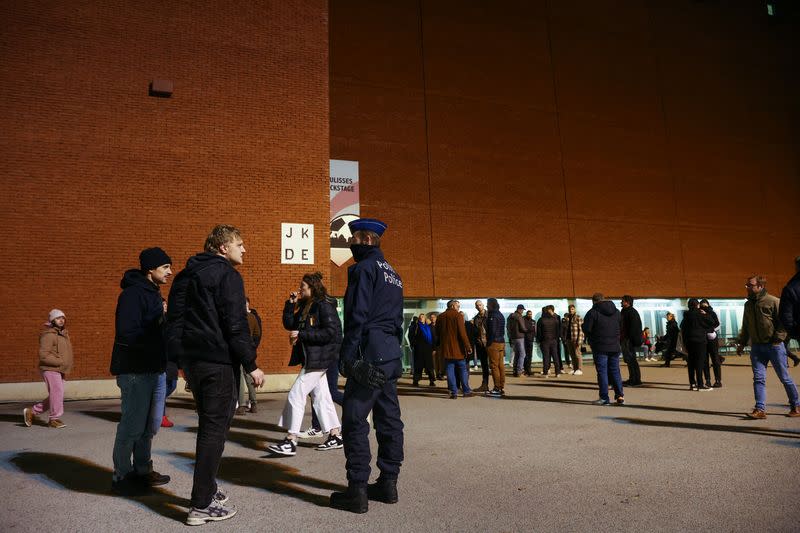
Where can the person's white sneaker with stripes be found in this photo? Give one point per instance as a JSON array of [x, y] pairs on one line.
[[287, 447]]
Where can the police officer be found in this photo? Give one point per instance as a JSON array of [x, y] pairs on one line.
[[370, 360]]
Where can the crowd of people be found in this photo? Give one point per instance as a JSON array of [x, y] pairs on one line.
[[208, 329]]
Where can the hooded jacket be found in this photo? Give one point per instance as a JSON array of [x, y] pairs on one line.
[[320, 333], [207, 317], [601, 326], [139, 320], [55, 350], [548, 328]]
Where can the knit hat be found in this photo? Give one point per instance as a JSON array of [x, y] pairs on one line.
[[151, 258], [55, 313]]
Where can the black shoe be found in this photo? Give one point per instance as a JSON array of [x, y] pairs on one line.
[[717, 385], [453, 396], [130, 485], [354, 499], [627, 383], [383, 490], [154, 479], [432, 383], [415, 384]]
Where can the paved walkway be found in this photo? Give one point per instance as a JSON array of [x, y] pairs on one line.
[[543, 459]]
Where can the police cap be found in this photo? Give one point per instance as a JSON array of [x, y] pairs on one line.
[[367, 224]]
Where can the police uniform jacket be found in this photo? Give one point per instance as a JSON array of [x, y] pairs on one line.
[[373, 310], [320, 333]]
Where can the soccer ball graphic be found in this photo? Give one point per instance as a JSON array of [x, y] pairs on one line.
[[340, 231]]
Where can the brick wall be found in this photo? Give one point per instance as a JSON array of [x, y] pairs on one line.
[[546, 148], [94, 170]]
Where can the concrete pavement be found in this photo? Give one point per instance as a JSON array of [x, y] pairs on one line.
[[542, 459]]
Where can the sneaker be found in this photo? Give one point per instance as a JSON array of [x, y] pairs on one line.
[[468, 394], [56, 423], [717, 385], [220, 497], [154, 479], [310, 433], [334, 442], [482, 388], [287, 447], [692, 387], [705, 388], [453, 396], [620, 400], [27, 416], [601, 402], [496, 393], [213, 513], [166, 422], [240, 410], [757, 414], [253, 408], [578, 372], [794, 411]]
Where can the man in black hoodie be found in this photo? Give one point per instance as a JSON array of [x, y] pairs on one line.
[[207, 331], [138, 359], [631, 340], [602, 327], [548, 333]]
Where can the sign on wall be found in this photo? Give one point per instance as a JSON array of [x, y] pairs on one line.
[[297, 243], [345, 207]]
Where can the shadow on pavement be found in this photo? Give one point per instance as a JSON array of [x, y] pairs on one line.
[[628, 406], [273, 477], [79, 475], [108, 416], [11, 419], [750, 429]]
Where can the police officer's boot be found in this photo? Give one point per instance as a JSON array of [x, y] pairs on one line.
[[383, 490], [354, 499]]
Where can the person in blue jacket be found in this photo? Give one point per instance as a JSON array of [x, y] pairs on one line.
[[370, 360]]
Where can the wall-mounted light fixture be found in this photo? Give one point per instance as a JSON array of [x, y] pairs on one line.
[[161, 88]]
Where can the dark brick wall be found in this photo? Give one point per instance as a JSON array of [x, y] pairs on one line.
[[94, 170], [559, 148]]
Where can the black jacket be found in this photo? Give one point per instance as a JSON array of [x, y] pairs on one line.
[[207, 317], [495, 326], [530, 325], [672, 334], [789, 309], [631, 326], [548, 328], [320, 333], [601, 326], [139, 340], [695, 325]]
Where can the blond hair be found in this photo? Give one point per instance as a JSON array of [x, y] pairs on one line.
[[220, 235]]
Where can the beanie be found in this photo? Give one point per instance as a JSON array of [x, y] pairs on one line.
[[151, 258], [55, 313]]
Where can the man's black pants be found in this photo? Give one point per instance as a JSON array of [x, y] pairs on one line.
[[550, 353], [214, 387], [629, 356]]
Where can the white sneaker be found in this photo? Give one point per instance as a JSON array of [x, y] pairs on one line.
[[310, 433], [286, 447], [578, 373], [213, 513]]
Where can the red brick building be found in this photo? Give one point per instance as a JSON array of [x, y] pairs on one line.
[[521, 149]]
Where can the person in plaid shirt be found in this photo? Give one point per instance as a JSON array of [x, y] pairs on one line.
[[573, 339]]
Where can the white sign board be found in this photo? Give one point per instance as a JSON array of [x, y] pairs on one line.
[[297, 243], [345, 207]]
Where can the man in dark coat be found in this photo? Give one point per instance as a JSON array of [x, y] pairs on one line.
[[370, 359], [207, 331], [789, 310], [139, 360], [548, 334], [530, 336], [602, 328], [631, 340]]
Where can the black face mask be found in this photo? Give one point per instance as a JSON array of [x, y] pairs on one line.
[[360, 251]]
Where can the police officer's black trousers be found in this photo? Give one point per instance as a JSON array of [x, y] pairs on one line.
[[358, 402]]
